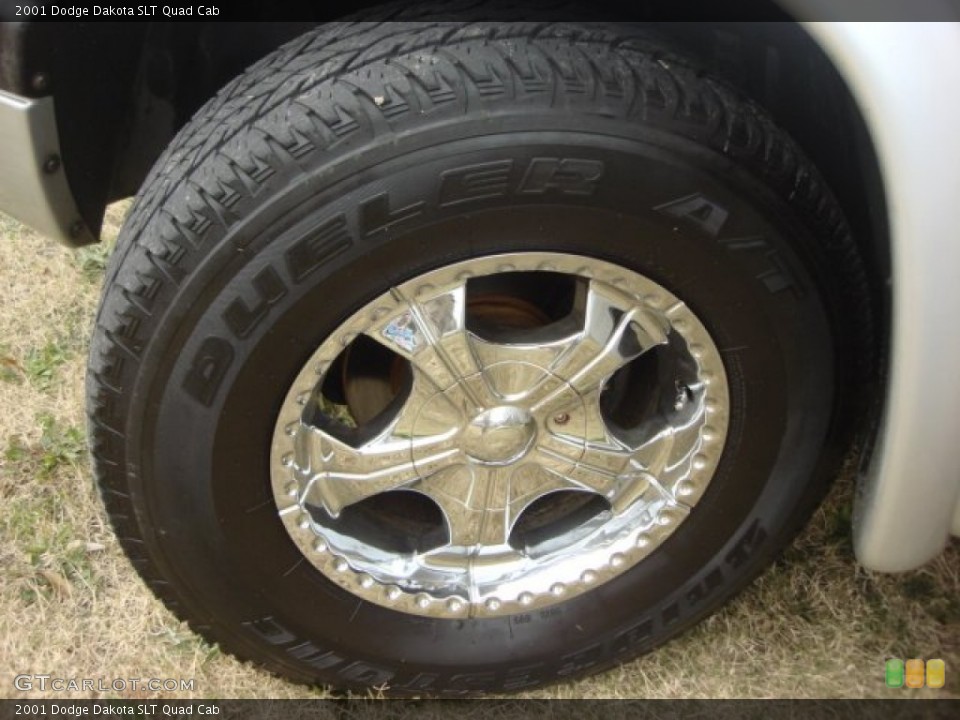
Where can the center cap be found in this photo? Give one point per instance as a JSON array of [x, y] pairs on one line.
[[499, 436]]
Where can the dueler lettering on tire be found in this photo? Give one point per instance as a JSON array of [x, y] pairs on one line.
[[453, 358]]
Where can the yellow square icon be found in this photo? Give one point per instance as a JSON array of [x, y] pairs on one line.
[[914, 673], [936, 673]]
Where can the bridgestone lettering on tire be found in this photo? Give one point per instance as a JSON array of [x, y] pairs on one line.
[[453, 358]]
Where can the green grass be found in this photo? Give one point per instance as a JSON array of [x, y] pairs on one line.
[[40, 364], [92, 261], [58, 445]]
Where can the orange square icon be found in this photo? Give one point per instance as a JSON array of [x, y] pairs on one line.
[[915, 673], [936, 672]]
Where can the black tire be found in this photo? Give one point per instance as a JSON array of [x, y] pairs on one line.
[[314, 181]]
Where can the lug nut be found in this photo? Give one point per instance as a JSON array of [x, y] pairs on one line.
[[561, 418]]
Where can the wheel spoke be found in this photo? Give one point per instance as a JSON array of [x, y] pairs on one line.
[[581, 451], [615, 331], [657, 464], [431, 333], [490, 522], [583, 454], [477, 512], [481, 504], [512, 371], [668, 450], [341, 474]]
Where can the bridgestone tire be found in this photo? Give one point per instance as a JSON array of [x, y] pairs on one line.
[[360, 156]]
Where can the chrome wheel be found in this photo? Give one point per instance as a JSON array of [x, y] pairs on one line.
[[499, 434]]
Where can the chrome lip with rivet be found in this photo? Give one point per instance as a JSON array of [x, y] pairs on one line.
[[487, 428]]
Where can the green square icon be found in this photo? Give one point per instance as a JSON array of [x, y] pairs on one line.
[[894, 673]]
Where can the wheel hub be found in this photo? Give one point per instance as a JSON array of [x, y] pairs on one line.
[[499, 431], [501, 435]]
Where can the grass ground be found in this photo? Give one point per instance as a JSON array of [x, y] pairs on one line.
[[814, 625]]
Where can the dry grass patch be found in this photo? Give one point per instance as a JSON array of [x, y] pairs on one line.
[[814, 625]]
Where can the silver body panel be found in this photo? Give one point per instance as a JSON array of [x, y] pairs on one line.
[[36, 196], [904, 77]]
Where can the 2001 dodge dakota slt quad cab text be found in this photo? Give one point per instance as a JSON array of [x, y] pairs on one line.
[[466, 352]]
